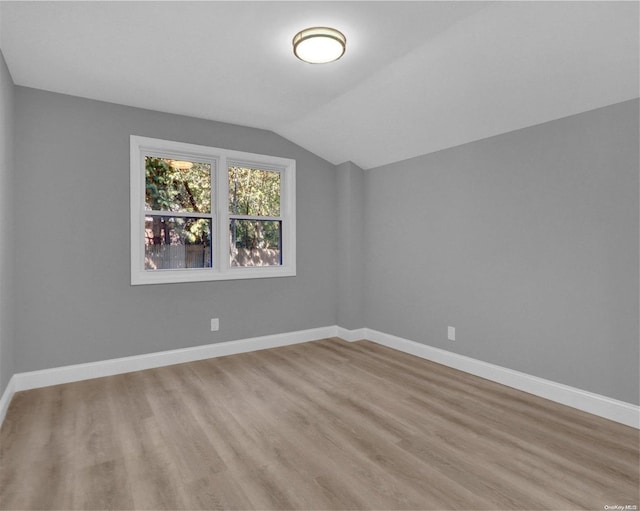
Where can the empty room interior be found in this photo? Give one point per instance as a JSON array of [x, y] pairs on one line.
[[319, 255]]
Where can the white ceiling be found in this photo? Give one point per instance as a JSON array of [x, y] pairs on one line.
[[417, 76]]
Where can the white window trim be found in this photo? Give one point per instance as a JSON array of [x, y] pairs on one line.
[[219, 159]]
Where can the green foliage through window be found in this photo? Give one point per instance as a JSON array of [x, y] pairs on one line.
[[171, 186], [254, 192]]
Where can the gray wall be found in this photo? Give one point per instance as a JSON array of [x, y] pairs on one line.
[[74, 300], [526, 242], [6, 224], [350, 245]]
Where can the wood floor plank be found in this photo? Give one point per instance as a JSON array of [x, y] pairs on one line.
[[323, 425], [365, 442]]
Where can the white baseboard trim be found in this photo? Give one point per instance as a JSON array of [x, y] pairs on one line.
[[351, 335], [6, 398], [596, 404], [68, 374], [618, 411]]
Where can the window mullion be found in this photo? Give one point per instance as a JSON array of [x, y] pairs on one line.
[[213, 173], [222, 207]]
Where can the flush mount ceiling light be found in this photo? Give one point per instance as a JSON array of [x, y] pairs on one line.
[[319, 45]]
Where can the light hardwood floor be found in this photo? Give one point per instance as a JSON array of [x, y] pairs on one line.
[[322, 425]]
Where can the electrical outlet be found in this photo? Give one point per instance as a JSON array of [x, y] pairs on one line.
[[451, 333], [215, 324]]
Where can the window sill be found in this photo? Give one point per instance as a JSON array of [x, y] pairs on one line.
[[208, 275]]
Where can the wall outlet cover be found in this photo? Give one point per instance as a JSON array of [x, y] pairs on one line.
[[451, 333]]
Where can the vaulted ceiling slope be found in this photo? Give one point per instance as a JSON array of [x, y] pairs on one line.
[[417, 76]]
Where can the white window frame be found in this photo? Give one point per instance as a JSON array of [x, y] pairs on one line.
[[220, 160]]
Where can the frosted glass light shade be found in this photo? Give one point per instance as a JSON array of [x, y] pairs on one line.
[[319, 45]]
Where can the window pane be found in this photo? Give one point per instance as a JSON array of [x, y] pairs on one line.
[[254, 192], [255, 242], [176, 242], [177, 185]]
